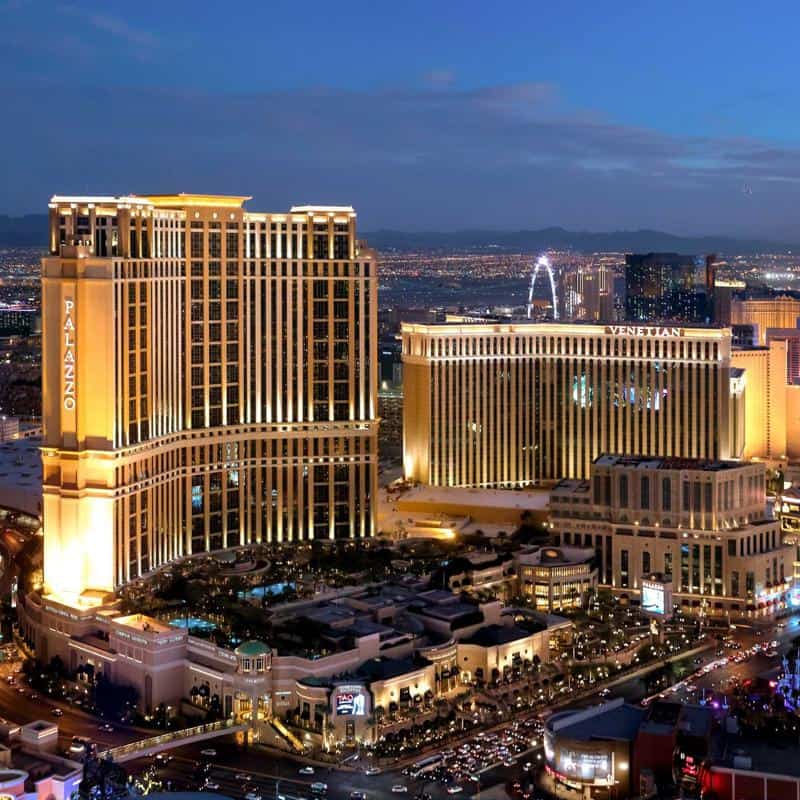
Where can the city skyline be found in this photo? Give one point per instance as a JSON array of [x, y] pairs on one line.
[[475, 119]]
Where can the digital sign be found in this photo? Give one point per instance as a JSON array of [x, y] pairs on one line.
[[350, 702], [653, 598], [656, 597]]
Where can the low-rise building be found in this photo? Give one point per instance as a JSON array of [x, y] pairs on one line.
[[557, 578], [335, 669], [704, 523]]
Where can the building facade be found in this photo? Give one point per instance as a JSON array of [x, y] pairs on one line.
[[704, 523], [506, 405], [774, 311], [209, 380], [399, 648], [587, 293], [668, 286], [557, 578]]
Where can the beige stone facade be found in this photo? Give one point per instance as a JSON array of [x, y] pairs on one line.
[[768, 312], [209, 380], [704, 523], [510, 405]]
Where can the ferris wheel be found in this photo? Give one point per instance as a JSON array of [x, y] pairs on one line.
[[543, 262]]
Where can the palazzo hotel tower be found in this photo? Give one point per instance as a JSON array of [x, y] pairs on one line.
[[209, 380]]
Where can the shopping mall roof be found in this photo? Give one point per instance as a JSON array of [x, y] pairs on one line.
[[494, 635], [21, 476], [614, 720], [382, 669]]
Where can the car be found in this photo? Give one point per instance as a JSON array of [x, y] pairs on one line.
[[56, 712], [399, 788], [242, 776], [372, 771], [306, 770], [209, 752], [252, 796], [454, 789], [107, 727], [209, 784], [319, 787], [357, 795], [163, 758]]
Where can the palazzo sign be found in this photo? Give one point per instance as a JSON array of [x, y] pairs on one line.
[[643, 331], [69, 355]]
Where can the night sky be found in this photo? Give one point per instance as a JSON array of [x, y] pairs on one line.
[[683, 117]]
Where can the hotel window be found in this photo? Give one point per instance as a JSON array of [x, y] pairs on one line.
[[666, 494], [623, 491], [684, 567], [645, 562], [623, 569], [645, 492]]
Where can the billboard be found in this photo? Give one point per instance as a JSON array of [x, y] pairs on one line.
[[656, 597], [350, 701]]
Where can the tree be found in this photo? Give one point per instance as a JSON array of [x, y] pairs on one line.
[[114, 700]]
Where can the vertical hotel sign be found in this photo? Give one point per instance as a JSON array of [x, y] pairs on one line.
[[68, 391]]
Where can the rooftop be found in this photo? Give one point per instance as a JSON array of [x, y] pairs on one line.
[[773, 756], [614, 720], [494, 635], [444, 496], [382, 669], [654, 462], [253, 649], [21, 475], [143, 623], [557, 556]]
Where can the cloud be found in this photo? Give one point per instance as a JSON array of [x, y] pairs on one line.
[[426, 157], [142, 40], [439, 78]]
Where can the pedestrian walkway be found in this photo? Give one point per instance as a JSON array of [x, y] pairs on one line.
[[166, 741]]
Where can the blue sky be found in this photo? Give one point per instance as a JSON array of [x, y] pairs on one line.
[[678, 116]]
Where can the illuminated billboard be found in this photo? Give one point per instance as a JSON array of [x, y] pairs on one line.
[[350, 701], [656, 597]]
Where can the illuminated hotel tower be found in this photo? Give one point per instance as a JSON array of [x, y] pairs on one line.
[[209, 381], [517, 404]]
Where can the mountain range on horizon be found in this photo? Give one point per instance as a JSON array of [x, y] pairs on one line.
[[30, 230]]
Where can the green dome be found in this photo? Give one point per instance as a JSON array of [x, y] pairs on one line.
[[253, 649]]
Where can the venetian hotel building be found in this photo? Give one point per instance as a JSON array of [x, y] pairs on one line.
[[505, 405], [208, 381]]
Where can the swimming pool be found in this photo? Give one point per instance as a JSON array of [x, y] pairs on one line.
[[192, 624], [270, 590]]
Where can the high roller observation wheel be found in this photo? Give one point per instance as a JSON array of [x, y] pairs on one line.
[[543, 261]]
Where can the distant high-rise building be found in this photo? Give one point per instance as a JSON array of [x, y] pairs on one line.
[[791, 337], [587, 293], [773, 310], [669, 287], [209, 380]]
